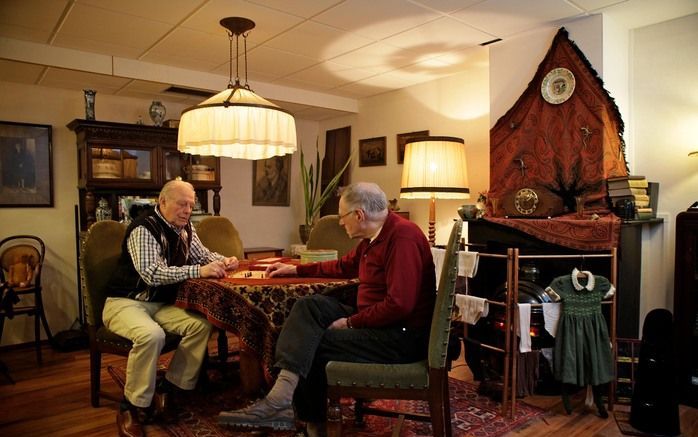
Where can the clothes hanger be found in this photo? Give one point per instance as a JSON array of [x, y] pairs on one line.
[[580, 273]]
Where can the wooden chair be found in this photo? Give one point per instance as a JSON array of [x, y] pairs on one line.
[[100, 254], [424, 380], [25, 253], [220, 235], [328, 234]]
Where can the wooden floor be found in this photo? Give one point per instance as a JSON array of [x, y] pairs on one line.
[[53, 400]]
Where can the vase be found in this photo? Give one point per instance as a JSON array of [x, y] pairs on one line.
[[90, 104], [157, 112], [304, 232]]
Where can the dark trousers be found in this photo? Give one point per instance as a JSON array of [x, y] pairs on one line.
[[305, 346]]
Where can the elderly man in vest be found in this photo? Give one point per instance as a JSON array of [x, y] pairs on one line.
[[160, 250]]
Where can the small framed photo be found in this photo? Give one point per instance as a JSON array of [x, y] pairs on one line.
[[402, 141], [270, 181], [26, 165], [372, 151]]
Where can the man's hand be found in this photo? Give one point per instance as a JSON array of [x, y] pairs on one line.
[[231, 263], [280, 269], [214, 269], [339, 324]]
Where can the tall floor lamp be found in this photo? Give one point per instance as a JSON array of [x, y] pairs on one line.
[[434, 168]]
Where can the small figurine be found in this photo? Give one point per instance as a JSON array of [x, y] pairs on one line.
[[393, 206]]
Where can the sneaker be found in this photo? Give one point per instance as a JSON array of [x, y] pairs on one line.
[[261, 414]]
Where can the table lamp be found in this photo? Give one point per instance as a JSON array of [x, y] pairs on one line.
[[434, 168]]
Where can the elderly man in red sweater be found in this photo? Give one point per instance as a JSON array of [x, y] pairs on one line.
[[387, 322]]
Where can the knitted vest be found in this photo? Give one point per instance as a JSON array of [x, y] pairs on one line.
[[126, 282]]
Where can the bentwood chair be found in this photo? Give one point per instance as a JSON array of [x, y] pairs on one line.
[[425, 380], [220, 235], [21, 258], [328, 234], [100, 255]]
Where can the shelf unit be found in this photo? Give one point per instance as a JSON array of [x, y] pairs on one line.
[[117, 160], [510, 350]]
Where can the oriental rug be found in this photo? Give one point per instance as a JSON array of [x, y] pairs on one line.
[[473, 415]]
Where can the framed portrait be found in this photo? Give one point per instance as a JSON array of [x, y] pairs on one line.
[[270, 181], [402, 141], [26, 165], [372, 152]]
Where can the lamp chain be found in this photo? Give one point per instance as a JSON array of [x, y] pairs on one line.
[[230, 60]]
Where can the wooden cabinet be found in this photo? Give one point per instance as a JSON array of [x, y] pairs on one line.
[[117, 160], [686, 304]]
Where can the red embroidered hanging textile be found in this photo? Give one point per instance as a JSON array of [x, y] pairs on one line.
[[558, 144]]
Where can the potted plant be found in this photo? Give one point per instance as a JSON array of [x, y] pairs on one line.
[[314, 199]]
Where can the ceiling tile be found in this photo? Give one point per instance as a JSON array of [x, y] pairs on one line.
[[445, 6], [279, 62], [30, 20], [328, 75], [166, 11], [317, 41], [107, 32], [503, 18], [268, 22], [376, 19], [439, 36], [301, 8], [377, 58], [192, 49]]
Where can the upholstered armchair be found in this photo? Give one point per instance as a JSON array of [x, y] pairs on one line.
[[328, 234]]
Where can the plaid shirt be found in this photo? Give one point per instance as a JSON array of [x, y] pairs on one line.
[[152, 266]]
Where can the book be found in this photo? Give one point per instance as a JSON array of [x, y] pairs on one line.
[[653, 192], [629, 191], [630, 181], [643, 213]]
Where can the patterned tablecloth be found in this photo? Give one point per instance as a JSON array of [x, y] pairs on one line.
[[255, 309]]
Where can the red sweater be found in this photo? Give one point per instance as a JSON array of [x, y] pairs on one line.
[[397, 284]]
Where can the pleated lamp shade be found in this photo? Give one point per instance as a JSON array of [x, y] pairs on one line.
[[434, 168]]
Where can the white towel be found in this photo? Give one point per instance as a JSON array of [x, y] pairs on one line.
[[524, 327], [471, 308], [467, 263], [551, 315]]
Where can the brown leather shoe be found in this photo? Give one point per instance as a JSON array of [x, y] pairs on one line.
[[128, 423]]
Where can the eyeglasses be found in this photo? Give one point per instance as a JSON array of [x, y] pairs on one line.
[[341, 216]]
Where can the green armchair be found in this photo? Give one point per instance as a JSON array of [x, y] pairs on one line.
[[328, 234]]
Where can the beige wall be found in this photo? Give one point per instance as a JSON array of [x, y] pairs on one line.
[[664, 128]]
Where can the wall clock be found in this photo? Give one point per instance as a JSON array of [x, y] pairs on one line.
[[557, 86]]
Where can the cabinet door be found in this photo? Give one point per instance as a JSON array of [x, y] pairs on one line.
[[121, 165]]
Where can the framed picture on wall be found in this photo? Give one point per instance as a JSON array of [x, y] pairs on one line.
[[270, 181], [372, 151], [402, 141], [26, 165]]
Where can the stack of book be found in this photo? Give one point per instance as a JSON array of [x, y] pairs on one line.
[[631, 188]]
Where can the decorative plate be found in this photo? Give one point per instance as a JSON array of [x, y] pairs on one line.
[[526, 201], [557, 85]]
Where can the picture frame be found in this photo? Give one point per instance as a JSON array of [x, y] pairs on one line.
[[271, 184], [372, 151], [402, 142], [26, 165]]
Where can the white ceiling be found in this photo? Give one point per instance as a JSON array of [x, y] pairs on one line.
[[313, 57]]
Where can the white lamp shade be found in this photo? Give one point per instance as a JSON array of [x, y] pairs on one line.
[[435, 167], [242, 125]]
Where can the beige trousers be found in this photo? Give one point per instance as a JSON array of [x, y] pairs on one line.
[[145, 323]]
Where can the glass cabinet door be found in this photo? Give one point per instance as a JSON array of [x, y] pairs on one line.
[[118, 163]]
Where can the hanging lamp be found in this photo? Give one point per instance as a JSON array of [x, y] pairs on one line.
[[236, 122]]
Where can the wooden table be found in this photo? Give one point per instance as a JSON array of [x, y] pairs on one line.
[[255, 309]]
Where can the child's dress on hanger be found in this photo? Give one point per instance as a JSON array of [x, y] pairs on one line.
[[582, 345]]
